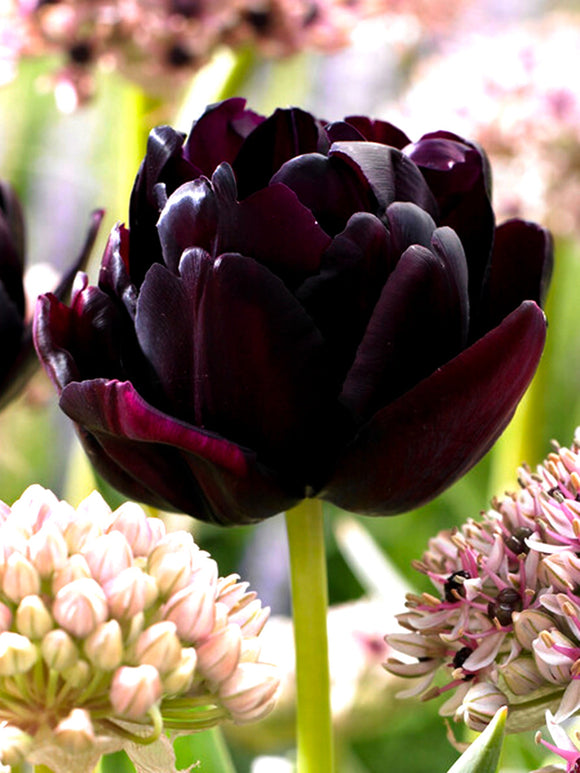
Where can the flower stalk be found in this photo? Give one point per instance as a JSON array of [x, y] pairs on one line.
[[305, 529]]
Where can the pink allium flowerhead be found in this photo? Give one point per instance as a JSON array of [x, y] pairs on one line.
[[503, 625], [98, 646], [160, 43], [517, 93]]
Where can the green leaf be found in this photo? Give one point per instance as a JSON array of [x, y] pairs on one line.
[[483, 754]]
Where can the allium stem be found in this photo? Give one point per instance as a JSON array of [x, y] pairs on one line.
[[304, 524]]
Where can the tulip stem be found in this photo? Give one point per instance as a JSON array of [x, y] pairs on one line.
[[305, 528]]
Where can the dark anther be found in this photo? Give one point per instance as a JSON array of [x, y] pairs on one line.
[[507, 601], [454, 586], [259, 20], [188, 8], [460, 658], [81, 52], [178, 56], [516, 542]]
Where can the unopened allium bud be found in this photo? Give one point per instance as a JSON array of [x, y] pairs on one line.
[[135, 690], [104, 646], [20, 578], [75, 732], [159, 646], [504, 621], [33, 618], [59, 650], [93, 644], [17, 654], [15, 745], [80, 606], [250, 692]]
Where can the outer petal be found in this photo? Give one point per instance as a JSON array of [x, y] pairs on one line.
[[166, 462], [378, 131], [417, 446], [219, 133], [521, 268], [11, 246]]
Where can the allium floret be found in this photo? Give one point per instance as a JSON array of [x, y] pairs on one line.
[[114, 633]]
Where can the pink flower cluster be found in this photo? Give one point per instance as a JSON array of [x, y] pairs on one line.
[[160, 43], [503, 626], [112, 629], [517, 93]]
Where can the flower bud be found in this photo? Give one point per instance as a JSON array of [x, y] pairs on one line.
[[32, 618], [17, 654], [81, 531], [528, 626], [47, 550], [104, 646], [15, 745], [142, 533], [179, 680], [20, 578], [480, 705], [251, 617], [522, 676], [193, 610], [553, 665], [250, 691], [79, 675], [135, 690], [75, 732], [59, 650], [219, 654], [159, 646], [75, 568], [170, 567], [107, 556], [80, 606], [130, 592]]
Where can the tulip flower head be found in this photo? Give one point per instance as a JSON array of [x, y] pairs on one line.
[[18, 356], [299, 310], [503, 627], [114, 632]]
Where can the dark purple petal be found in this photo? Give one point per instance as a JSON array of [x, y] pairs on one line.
[[12, 247], [400, 348], [390, 174], [521, 268], [417, 446], [190, 218], [378, 131], [342, 131], [456, 172], [219, 133], [408, 224], [285, 134], [240, 357], [11, 328], [82, 259], [161, 460], [113, 276], [163, 163], [341, 298], [328, 187]]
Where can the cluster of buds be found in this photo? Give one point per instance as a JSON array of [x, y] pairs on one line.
[[156, 42], [113, 631], [503, 627]]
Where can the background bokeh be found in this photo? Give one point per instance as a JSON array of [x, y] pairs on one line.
[[505, 74]]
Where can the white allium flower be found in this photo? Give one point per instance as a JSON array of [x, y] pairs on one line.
[[114, 633]]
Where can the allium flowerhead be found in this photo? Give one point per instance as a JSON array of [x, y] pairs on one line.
[[299, 309], [517, 93], [100, 654], [160, 43], [503, 625]]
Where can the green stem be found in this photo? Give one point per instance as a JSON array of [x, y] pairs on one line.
[[305, 528], [209, 747]]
